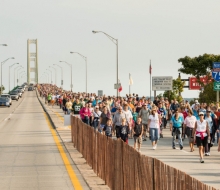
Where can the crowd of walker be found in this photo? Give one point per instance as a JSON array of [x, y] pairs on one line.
[[136, 117]]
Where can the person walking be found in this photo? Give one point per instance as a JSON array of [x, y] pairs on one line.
[[138, 131], [49, 97], [85, 114], [105, 115], [202, 133], [189, 124], [64, 103], [108, 128], [124, 131], [68, 106], [154, 126], [212, 128], [77, 106], [117, 120], [176, 128], [96, 117], [162, 111], [144, 114], [129, 117]]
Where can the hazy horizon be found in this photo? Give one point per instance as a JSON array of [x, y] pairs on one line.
[[146, 30]]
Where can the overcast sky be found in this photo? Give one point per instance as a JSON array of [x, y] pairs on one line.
[[162, 31]]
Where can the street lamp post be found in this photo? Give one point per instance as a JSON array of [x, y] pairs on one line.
[[85, 58], [70, 74], [17, 75], [47, 77], [55, 74], [115, 41], [14, 73], [19, 82], [20, 74], [61, 74], [51, 72], [2, 63], [10, 74]]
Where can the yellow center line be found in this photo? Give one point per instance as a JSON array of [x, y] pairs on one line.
[[67, 164]]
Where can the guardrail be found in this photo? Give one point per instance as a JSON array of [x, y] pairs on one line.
[[123, 168]]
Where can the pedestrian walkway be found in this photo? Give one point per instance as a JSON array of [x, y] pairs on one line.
[[183, 160]]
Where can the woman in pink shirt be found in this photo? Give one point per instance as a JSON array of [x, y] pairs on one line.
[[189, 124], [85, 114]]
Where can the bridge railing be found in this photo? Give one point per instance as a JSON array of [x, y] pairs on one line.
[[123, 168]]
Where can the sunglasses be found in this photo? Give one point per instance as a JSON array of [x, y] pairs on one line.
[[201, 115], [208, 111]]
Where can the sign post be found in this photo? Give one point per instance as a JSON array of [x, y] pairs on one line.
[[216, 77], [164, 83], [100, 92], [117, 86]]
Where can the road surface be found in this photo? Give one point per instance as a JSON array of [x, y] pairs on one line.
[[30, 150]]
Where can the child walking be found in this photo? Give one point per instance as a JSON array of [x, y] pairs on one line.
[[124, 131]]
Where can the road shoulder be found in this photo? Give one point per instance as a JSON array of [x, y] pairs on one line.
[[91, 179]]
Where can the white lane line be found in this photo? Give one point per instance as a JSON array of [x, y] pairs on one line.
[[182, 150], [185, 151], [8, 118]]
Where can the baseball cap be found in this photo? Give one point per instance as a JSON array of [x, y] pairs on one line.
[[196, 101], [201, 113]]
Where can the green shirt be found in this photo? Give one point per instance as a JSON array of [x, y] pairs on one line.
[[76, 107], [49, 97], [135, 115]]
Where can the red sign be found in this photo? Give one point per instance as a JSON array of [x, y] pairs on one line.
[[194, 85]]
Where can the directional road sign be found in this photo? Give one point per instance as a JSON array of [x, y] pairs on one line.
[[216, 86], [216, 65], [216, 71], [216, 74]]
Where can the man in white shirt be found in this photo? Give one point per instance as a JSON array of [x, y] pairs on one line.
[[196, 103]]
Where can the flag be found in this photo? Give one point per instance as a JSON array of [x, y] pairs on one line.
[[120, 89], [150, 69], [130, 80]]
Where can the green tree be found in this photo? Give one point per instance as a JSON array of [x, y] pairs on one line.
[[2, 88], [177, 89], [201, 66], [159, 95], [198, 66], [207, 95]]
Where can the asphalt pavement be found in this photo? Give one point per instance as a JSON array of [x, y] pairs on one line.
[[31, 154]]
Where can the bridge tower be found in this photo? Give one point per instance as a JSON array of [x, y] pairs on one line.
[[32, 62]]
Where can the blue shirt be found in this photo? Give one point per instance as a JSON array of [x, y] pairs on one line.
[[195, 113], [177, 123], [94, 103]]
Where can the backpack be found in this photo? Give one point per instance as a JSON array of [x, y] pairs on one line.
[[137, 129]]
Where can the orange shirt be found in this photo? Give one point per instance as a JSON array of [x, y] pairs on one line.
[[131, 106]]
